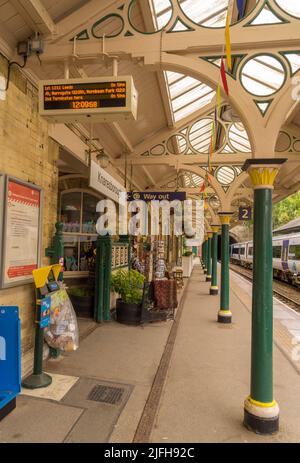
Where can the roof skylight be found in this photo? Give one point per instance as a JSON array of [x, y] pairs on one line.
[[187, 94]]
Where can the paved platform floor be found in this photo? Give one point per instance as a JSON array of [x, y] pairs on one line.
[[111, 355], [208, 378], [207, 381]]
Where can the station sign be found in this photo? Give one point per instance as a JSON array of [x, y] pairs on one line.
[[101, 99], [104, 183], [245, 213], [148, 196]]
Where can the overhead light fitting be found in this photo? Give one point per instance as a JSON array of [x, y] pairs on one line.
[[230, 116], [102, 159]]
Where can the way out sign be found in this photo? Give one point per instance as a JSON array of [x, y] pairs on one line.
[[245, 213]]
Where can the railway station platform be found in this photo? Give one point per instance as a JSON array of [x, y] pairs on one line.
[[187, 383]]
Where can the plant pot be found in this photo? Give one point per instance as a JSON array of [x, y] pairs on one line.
[[129, 314], [83, 305]]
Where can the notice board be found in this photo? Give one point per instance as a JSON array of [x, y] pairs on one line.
[[21, 233]]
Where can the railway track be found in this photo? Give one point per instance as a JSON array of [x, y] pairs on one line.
[[283, 291]]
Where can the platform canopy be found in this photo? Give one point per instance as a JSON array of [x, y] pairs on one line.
[[173, 50]]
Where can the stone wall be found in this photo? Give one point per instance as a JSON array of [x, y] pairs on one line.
[[26, 152]]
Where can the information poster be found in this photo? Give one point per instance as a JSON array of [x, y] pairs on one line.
[[21, 232], [45, 312]]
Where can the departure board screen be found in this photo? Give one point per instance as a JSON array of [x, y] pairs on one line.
[[86, 95]]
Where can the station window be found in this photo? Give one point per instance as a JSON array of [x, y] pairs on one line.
[[294, 252], [79, 217], [277, 252]]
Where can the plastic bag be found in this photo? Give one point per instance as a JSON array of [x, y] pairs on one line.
[[62, 332]]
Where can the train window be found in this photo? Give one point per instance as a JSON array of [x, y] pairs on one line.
[[235, 251], [294, 252], [242, 251], [277, 252], [250, 251]]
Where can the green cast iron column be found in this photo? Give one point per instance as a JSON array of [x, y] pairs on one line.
[[261, 410], [99, 283], [208, 256], [262, 315], [38, 379], [107, 277], [214, 251], [205, 254], [225, 315], [103, 278]]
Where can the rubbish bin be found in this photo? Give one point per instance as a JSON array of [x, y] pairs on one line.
[[10, 359]]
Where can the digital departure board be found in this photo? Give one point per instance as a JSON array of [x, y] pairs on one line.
[[102, 99]]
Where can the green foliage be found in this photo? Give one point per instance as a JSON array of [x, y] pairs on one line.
[[81, 292], [129, 285], [187, 253], [286, 210]]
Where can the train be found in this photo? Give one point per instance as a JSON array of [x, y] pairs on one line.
[[286, 257]]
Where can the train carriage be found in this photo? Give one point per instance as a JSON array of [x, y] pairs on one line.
[[285, 254]]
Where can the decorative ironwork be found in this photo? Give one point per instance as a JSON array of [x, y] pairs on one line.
[[182, 16], [120, 255], [195, 139]]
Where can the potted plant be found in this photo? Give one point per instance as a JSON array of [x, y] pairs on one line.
[[82, 299], [129, 286]]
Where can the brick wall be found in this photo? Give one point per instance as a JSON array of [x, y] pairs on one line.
[[26, 152]]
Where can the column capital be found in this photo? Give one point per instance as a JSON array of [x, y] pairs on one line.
[[225, 217], [263, 172], [215, 228], [209, 234]]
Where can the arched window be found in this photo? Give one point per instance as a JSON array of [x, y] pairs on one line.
[[79, 217]]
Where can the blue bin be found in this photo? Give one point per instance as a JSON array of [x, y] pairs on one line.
[[10, 358]]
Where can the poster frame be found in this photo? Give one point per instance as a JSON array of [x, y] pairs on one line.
[[2, 194], [3, 237]]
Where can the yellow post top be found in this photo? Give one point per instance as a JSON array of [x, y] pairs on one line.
[[263, 171], [225, 217], [215, 228], [209, 234], [41, 275], [263, 176]]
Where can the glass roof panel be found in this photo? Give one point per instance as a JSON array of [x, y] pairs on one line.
[[182, 85], [187, 94], [192, 180], [294, 60], [266, 16], [225, 175], [239, 138], [290, 6], [263, 75], [210, 13]]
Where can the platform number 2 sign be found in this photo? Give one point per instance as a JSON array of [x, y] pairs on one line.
[[245, 213]]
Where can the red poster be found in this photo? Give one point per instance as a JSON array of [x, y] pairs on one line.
[[22, 232]]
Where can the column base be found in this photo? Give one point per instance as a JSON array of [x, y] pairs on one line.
[[37, 381], [224, 316], [214, 291], [261, 419], [208, 277]]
